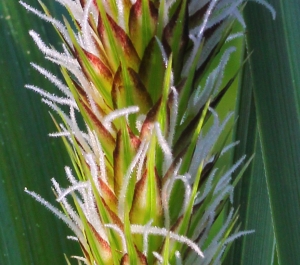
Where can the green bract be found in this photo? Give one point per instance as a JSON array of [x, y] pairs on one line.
[[144, 78]]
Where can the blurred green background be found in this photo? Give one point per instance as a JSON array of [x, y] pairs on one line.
[[29, 234]]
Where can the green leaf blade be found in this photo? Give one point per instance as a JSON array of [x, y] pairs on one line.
[[278, 122]]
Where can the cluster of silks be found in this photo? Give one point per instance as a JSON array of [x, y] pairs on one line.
[[143, 78]]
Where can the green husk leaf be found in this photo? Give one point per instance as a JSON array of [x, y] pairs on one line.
[[152, 65], [142, 24]]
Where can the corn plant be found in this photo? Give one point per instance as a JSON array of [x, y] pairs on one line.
[[137, 116]]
